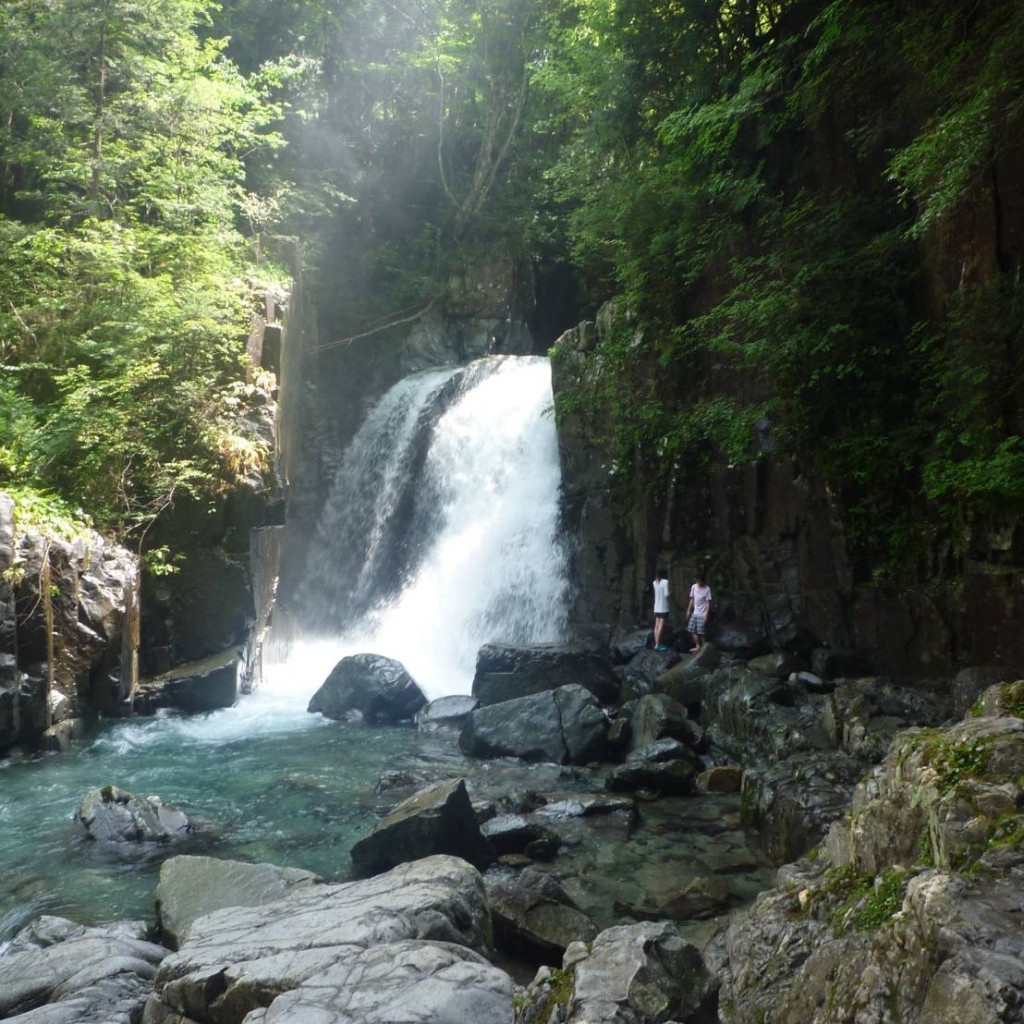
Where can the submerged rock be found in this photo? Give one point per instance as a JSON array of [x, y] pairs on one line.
[[376, 688], [113, 815], [435, 820]]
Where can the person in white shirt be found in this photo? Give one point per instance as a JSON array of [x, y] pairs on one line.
[[661, 592], [697, 611]]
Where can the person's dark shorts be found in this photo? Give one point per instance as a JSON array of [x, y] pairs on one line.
[[660, 615]]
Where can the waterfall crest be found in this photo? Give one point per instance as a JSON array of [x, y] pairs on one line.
[[440, 532]]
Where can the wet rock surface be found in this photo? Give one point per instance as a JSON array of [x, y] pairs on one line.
[[371, 686], [113, 816], [507, 671]]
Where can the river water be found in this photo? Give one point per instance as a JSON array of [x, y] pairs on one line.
[[441, 534]]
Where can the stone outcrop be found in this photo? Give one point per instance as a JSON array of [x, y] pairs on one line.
[[435, 820], [87, 590], [565, 725], [631, 974], [508, 671], [911, 910], [195, 687], [371, 687], [448, 712], [314, 941], [59, 972]]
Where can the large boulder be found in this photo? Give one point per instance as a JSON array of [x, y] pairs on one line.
[[241, 959], [435, 820], [508, 671], [631, 974], [684, 681], [534, 918], [58, 972], [411, 981], [190, 887], [377, 688], [113, 815], [658, 716], [565, 725], [667, 766]]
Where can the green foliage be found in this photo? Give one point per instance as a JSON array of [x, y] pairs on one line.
[[861, 902], [46, 513], [126, 280], [954, 761]]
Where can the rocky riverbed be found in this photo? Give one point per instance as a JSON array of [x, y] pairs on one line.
[[755, 845]]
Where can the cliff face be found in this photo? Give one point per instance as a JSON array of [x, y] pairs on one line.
[[68, 631], [772, 539]]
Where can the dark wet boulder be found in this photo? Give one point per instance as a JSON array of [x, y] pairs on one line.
[[565, 725], [780, 664], [640, 675], [438, 820], [684, 681], [510, 671], [533, 917], [376, 688], [446, 712], [658, 716], [969, 684], [834, 663], [666, 766], [113, 815], [626, 645], [516, 833]]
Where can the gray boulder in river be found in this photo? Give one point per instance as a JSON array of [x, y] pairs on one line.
[[377, 688], [113, 815]]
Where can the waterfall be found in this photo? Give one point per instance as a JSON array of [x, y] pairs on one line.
[[440, 532]]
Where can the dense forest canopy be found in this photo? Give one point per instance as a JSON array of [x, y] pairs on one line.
[[811, 210]]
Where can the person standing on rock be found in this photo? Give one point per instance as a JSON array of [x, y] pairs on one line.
[[698, 610], [661, 592]]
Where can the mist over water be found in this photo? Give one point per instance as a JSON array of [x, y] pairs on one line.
[[441, 530]]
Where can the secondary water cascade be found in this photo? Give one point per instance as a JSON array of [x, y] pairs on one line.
[[440, 534]]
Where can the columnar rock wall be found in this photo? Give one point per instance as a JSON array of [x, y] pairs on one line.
[[772, 541]]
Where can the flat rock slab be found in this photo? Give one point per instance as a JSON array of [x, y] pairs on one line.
[[399, 983], [190, 887], [240, 959]]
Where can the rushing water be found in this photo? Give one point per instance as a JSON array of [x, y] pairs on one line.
[[441, 531], [440, 535]]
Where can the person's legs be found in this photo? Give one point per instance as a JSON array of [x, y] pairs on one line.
[[659, 626]]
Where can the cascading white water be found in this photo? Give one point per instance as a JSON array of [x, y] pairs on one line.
[[441, 531]]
